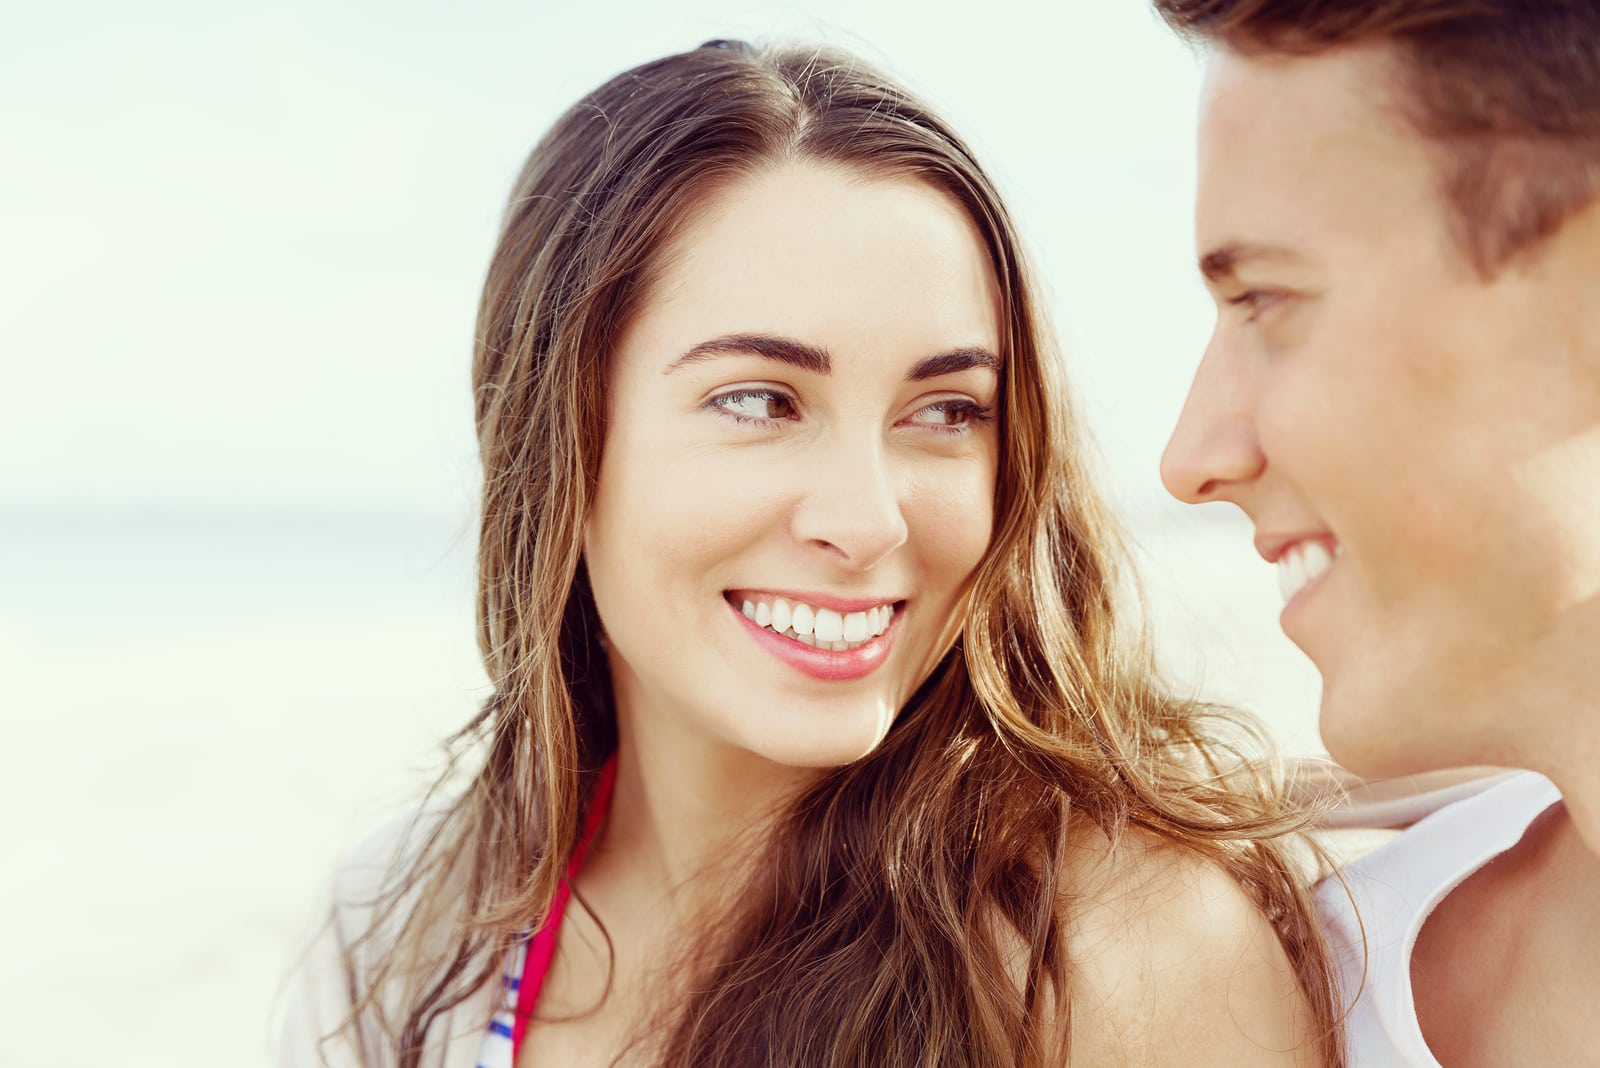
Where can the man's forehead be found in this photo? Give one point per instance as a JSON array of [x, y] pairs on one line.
[[1349, 82], [1281, 110], [1294, 147]]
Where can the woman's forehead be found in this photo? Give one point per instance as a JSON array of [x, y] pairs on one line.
[[831, 257]]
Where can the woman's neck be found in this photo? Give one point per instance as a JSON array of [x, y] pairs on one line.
[[687, 815]]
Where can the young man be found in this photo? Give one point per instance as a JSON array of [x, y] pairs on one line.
[[1399, 218]]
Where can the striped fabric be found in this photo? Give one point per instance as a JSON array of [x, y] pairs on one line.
[[498, 1050], [527, 964]]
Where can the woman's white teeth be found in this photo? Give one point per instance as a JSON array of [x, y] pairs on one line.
[[829, 625], [1300, 565], [802, 620], [855, 626], [822, 628]]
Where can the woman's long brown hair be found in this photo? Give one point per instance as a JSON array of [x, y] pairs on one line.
[[898, 889]]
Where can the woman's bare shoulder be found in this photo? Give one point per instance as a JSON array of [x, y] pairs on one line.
[[1174, 964]]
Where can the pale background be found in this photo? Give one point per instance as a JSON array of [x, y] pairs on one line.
[[240, 248]]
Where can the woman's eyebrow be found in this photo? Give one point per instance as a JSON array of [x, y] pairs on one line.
[[817, 361], [782, 349], [947, 363]]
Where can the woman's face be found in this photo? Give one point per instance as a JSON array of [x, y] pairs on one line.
[[799, 465]]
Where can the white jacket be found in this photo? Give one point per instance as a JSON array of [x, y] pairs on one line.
[[324, 990]]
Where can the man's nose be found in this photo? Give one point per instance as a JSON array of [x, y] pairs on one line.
[[1214, 450]]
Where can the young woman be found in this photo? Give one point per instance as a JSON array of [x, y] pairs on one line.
[[816, 738]]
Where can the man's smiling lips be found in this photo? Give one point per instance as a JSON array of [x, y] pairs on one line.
[[824, 636], [1301, 559]]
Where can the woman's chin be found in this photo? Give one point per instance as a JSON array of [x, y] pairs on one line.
[[838, 741]]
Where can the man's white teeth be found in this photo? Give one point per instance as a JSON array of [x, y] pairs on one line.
[[1300, 565], [822, 628]]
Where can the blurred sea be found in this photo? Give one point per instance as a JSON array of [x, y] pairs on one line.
[[203, 711]]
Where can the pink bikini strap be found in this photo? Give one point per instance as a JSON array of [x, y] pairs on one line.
[[542, 946]]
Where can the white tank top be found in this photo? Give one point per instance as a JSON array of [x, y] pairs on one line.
[[1395, 888]]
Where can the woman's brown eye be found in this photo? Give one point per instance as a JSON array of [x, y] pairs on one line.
[[953, 415], [756, 405]]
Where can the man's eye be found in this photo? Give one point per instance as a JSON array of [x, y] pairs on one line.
[[755, 405], [1255, 301]]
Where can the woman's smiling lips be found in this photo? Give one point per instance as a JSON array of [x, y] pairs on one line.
[[825, 637]]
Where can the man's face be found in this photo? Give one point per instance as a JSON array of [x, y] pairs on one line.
[[1417, 447]]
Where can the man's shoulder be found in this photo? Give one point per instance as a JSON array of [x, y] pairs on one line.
[[1388, 876], [1375, 906]]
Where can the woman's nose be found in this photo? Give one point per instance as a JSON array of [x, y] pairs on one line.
[[852, 507]]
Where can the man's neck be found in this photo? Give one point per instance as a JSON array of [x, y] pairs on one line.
[[1555, 716]]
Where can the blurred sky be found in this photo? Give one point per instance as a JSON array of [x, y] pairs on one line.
[[241, 244]]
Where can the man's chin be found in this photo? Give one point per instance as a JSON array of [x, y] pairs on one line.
[[1367, 734]]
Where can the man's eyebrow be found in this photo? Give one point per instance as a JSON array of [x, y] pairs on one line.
[[782, 349], [947, 363], [1222, 262]]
